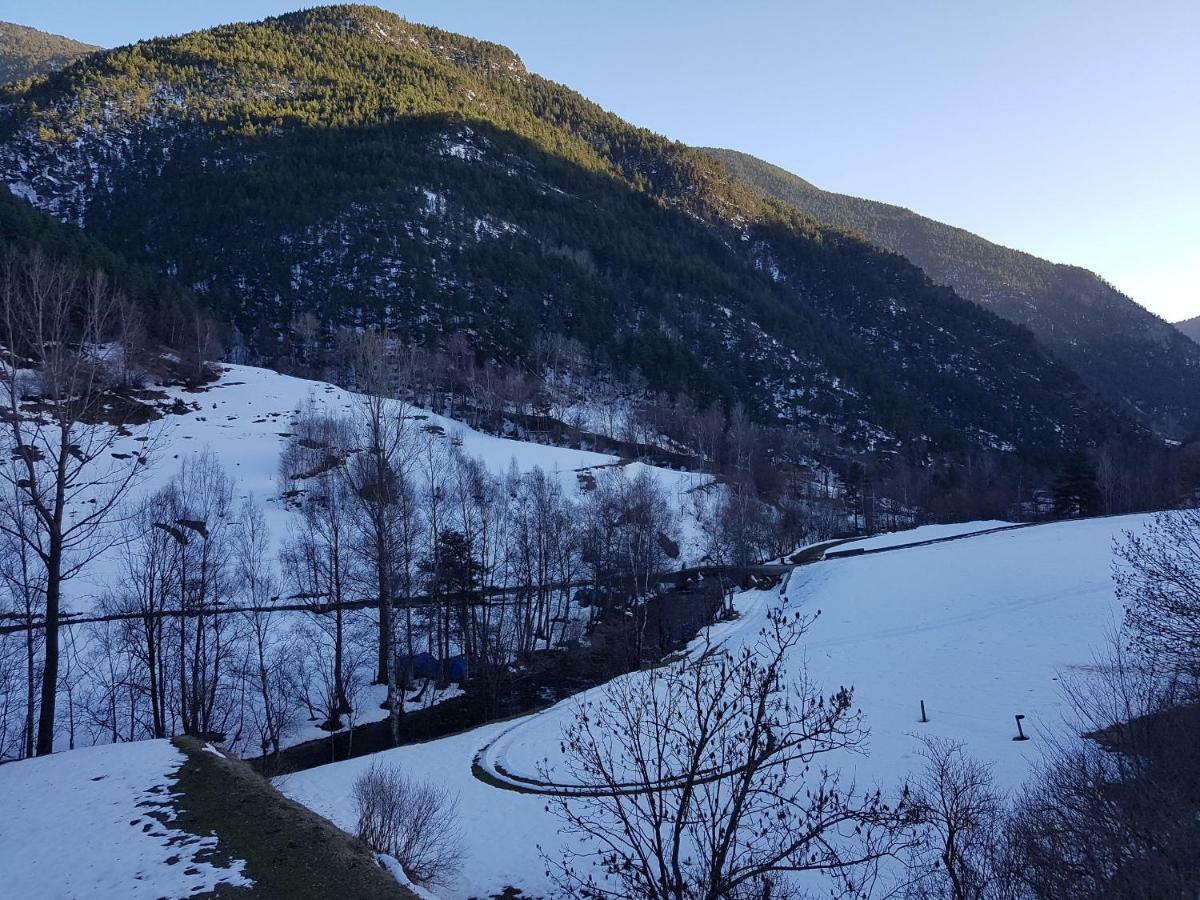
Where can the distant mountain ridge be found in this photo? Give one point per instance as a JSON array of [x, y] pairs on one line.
[[1190, 327], [345, 165], [25, 52], [1129, 356]]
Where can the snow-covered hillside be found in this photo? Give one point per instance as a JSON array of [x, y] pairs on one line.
[[980, 628], [98, 823], [245, 419], [240, 425]]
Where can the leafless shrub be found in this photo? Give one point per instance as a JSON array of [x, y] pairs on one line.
[[704, 779], [415, 822], [1158, 580], [1115, 814], [963, 815]]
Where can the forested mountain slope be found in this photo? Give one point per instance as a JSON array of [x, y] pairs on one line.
[[168, 311], [25, 52], [1126, 354], [1190, 327], [343, 167]]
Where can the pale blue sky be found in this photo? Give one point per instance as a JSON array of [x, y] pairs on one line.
[[1069, 128]]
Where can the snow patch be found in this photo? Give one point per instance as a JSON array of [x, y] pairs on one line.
[[97, 823]]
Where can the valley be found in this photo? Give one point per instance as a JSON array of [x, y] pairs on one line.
[[418, 480]]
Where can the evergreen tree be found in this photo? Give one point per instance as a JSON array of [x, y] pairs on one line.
[[1076, 489], [454, 574], [853, 484]]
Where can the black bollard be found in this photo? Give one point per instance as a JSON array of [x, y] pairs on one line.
[[924, 718], [1021, 736]]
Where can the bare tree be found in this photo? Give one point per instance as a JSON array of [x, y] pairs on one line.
[[738, 531], [199, 342], [600, 543], [627, 528], [267, 663], [23, 583], [476, 516], [113, 696], [1158, 579], [380, 480], [414, 822], [60, 430], [318, 557], [147, 587], [963, 816], [543, 557], [11, 698], [435, 484], [19, 651], [647, 529], [704, 780], [206, 639]]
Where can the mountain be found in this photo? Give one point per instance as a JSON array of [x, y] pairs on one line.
[[1190, 327], [1126, 354], [344, 166], [25, 52]]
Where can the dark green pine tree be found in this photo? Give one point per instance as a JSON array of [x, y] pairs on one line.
[[454, 579], [1076, 489], [853, 490]]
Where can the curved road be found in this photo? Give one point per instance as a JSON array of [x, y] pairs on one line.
[[490, 762]]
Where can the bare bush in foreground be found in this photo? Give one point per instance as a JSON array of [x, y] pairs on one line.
[[415, 822], [1117, 813], [1158, 581], [963, 816], [704, 779]]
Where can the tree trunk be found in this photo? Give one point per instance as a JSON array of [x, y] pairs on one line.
[[30, 682], [385, 620], [45, 735], [340, 701], [156, 711]]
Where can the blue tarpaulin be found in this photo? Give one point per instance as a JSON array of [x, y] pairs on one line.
[[426, 665]]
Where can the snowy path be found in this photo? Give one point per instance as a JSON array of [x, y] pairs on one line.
[[493, 764], [922, 535]]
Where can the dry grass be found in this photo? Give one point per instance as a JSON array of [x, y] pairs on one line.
[[291, 853]]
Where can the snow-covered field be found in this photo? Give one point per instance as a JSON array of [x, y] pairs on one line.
[[96, 823], [979, 628]]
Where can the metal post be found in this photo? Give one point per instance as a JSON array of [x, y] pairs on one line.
[[1021, 736]]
